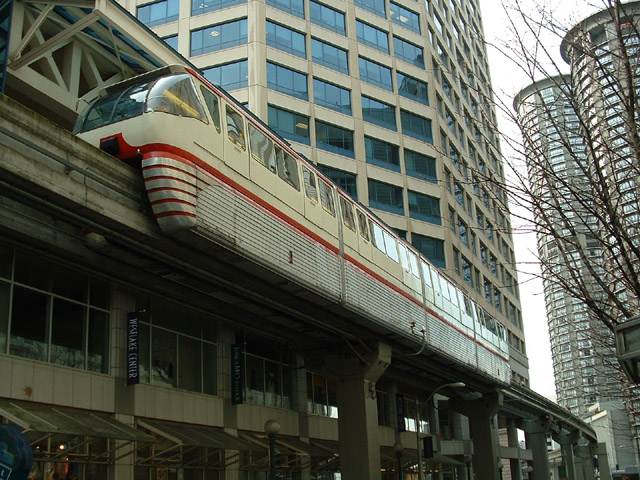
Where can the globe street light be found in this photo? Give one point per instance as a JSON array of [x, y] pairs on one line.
[[271, 428], [419, 407]]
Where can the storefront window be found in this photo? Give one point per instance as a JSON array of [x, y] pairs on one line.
[[177, 346], [322, 396], [58, 314], [268, 373]]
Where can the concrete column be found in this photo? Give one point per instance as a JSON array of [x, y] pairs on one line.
[[358, 419], [603, 461], [535, 432], [512, 441], [567, 440], [484, 433]]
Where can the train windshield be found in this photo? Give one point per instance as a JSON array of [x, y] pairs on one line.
[[174, 94]]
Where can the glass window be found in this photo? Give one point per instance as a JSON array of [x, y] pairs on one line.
[[334, 139], [331, 96], [310, 185], [327, 17], [322, 396], [287, 81], [219, 37], [432, 248], [229, 76], [382, 154], [424, 207], [372, 36], [213, 105], [235, 128], [289, 125], [172, 41], [374, 6], [175, 94], [416, 126], [176, 354], [158, 13], [29, 320], [375, 74], [412, 88], [294, 7], [348, 218], [262, 148], [287, 168], [327, 197], [287, 40], [404, 17], [58, 315], [408, 52], [420, 166], [344, 180], [329, 56], [384, 196], [379, 113], [67, 331], [203, 6]]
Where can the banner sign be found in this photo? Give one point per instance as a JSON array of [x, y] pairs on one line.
[[400, 412], [133, 348], [237, 376]]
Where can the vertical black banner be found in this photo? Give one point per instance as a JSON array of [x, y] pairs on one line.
[[133, 368], [400, 412], [237, 374]]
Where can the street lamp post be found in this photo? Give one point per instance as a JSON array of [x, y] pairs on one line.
[[399, 448], [419, 420], [271, 428]]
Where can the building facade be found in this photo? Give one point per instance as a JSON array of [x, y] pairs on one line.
[[582, 348], [579, 137], [392, 101]]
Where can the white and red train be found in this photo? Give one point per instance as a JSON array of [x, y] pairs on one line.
[[211, 168]]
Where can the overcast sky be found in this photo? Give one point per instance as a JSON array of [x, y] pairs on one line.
[[507, 82]]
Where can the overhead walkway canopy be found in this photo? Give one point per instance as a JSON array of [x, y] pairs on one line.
[[60, 53]]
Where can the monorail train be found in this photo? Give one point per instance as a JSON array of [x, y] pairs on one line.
[[213, 169]]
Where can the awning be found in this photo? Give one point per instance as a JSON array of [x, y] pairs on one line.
[[51, 419], [287, 445], [411, 455], [196, 435]]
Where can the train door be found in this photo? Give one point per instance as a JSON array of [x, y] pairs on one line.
[[235, 150]]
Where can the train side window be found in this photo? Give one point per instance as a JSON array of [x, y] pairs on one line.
[[403, 256], [467, 306], [413, 263], [235, 128], [426, 269], [347, 214], [262, 148], [310, 188], [378, 236], [326, 197], [362, 223], [287, 168], [213, 105], [392, 248]]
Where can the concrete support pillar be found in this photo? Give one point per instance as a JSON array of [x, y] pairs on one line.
[[567, 440], [603, 461], [512, 441], [484, 432], [358, 419], [535, 432]]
